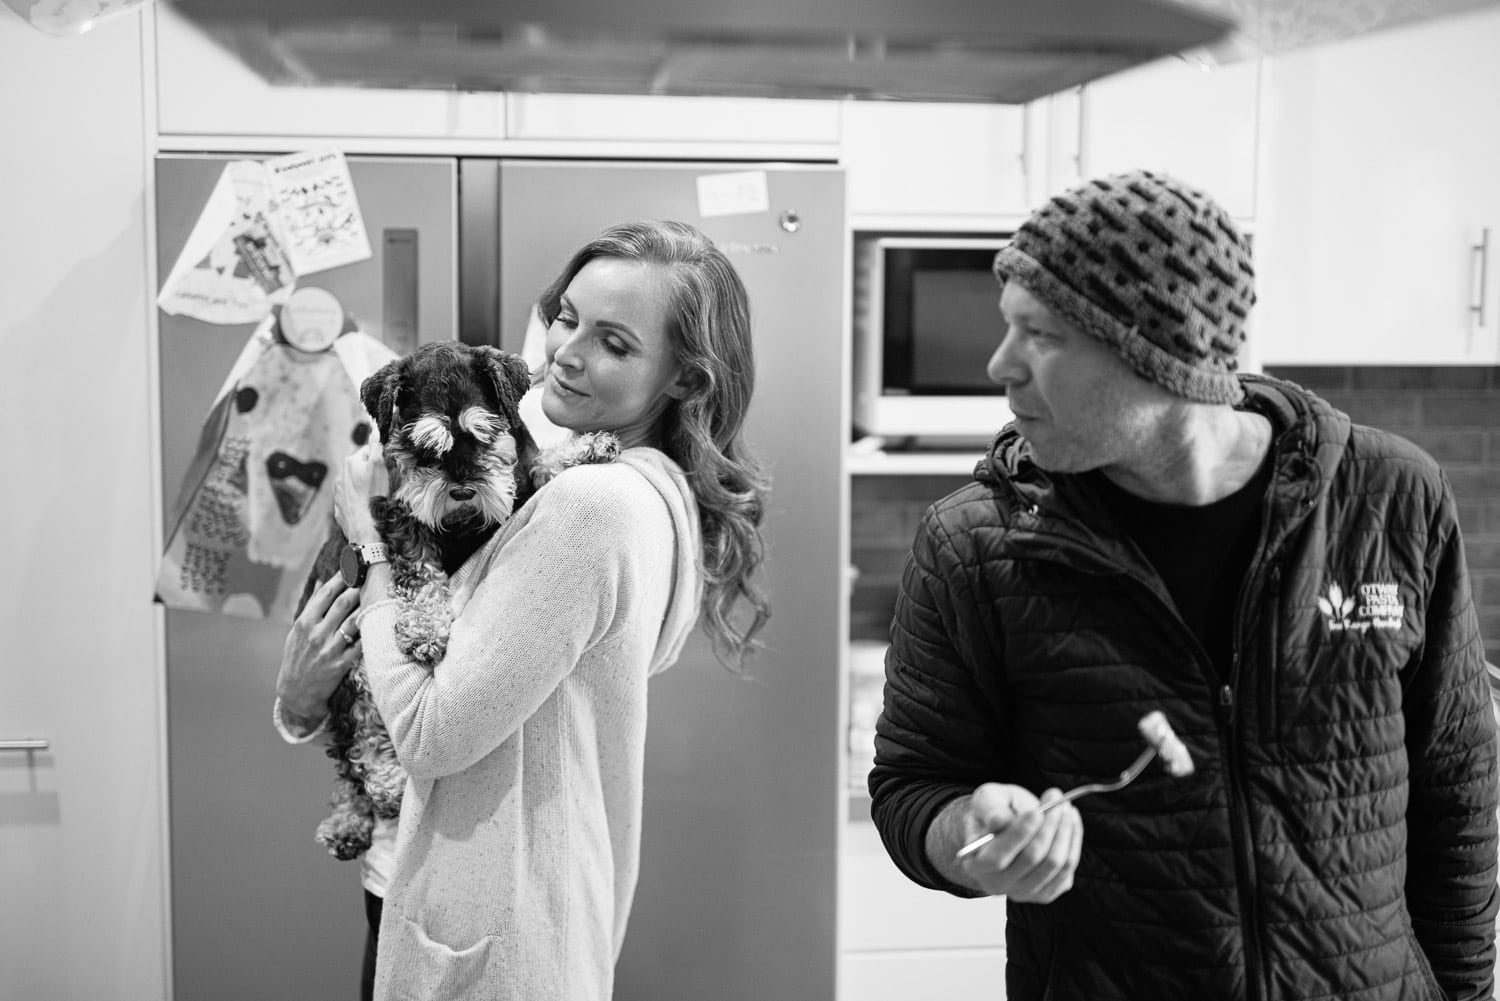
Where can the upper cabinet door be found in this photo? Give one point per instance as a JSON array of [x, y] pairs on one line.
[[934, 165], [1381, 179], [1177, 116], [729, 122], [202, 90]]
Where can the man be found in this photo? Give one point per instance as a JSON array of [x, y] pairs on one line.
[[1154, 532]]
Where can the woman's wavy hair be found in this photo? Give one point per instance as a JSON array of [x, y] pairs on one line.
[[709, 328]]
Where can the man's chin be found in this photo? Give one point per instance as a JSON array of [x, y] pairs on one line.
[[1060, 460]]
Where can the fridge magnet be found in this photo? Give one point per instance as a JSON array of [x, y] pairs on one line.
[[312, 319], [316, 212], [257, 499], [740, 192], [232, 269]]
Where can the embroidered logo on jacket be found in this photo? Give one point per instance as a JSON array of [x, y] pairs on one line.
[[1369, 606]]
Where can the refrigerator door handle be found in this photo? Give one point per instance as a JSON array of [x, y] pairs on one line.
[[1479, 256], [25, 744]]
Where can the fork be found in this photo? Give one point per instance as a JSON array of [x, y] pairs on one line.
[[1126, 777]]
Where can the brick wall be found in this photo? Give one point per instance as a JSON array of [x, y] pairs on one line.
[[1452, 412]]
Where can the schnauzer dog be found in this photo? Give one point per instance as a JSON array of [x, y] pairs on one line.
[[460, 461]]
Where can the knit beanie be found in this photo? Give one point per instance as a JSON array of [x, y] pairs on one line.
[[1151, 267]]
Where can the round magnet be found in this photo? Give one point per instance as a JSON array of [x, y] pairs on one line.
[[312, 319]]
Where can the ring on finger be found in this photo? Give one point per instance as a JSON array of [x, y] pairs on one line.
[[347, 638]]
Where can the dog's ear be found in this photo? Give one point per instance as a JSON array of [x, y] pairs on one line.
[[510, 377], [378, 393]]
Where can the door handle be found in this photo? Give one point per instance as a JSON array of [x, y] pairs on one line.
[[1479, 260], [25, 744]]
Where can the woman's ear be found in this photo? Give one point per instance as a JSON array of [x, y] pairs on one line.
[[684, 385]]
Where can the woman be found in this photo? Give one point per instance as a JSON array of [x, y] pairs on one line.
[[517, 852]]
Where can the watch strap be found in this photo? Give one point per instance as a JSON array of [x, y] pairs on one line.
[[373, 552]]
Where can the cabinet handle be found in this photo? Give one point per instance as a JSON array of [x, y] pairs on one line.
[[1479, 258], [26, 744]]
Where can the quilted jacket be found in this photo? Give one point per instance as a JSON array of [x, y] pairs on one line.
[[1338, 839]]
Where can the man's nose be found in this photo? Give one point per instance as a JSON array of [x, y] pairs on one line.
[[1005, 366]]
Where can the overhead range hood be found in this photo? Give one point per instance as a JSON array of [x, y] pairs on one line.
[[1000, 51]]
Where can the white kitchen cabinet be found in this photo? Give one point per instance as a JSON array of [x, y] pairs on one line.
[[934, 165], [203, 90], [928, 973], [1177, 116], [881, 910], [899, 940], [1381, 174], [663, 120]]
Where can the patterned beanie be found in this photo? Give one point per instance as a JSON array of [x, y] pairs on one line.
[[1151, 267]]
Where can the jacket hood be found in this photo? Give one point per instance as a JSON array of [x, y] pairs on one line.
[[1310, 438], [687, 577]]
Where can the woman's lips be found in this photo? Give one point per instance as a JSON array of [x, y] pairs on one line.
[[564, 386]]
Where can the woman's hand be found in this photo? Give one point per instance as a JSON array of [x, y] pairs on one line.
[[321, 647], [361, 478]]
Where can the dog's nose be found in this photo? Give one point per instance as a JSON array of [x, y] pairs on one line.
[[461, 493]]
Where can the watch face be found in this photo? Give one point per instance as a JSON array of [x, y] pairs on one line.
[[350, 567]]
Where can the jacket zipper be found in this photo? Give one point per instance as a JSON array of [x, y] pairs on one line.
[[1241, 834], [1240, 827]]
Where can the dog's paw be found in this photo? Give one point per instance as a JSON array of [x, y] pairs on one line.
[[581, 450], [348, 831], [597, 447], [427, 651]]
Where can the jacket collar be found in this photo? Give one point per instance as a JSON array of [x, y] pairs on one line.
[[1309, 438]]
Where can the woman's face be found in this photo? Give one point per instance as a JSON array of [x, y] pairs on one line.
[[610, 363]]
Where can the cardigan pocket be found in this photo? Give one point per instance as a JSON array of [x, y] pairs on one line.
[[420, 967]]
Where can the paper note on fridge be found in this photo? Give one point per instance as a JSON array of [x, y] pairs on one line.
[[231, 269], [738, 193], [315, 211]]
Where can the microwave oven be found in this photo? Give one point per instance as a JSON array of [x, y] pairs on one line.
[[926, 321]]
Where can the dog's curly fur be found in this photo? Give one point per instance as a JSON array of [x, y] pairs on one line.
[[448, 417]]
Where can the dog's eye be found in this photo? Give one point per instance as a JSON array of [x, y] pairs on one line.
[[482, 424], [246, 399], [361, 433]]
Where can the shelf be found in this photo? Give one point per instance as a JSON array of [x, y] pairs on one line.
[[877, 463]]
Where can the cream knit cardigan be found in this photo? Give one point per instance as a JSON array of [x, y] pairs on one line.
[[519, 838]]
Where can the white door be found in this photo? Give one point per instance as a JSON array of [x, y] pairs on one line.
[[82, 902]]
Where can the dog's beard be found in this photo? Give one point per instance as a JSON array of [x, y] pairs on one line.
[[426, 492]]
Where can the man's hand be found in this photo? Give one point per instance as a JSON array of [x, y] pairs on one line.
[[1033, 855]]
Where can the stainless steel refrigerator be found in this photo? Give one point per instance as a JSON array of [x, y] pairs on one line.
[[737, 890]]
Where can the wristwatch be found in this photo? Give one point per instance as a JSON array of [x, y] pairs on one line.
[[357, 559]]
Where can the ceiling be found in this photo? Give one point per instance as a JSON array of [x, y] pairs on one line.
[[995, 51], [1002, 51], [1268, 27]]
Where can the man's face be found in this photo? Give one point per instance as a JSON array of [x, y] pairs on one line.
[[1079, 405]]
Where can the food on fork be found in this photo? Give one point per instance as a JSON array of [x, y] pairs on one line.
[[1174, 754]]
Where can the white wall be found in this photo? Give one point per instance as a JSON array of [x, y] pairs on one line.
[[82, 903]]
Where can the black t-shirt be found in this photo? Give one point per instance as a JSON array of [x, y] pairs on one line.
[[1201, 552]]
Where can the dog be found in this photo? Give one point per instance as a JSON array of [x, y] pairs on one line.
[[460, 461]]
